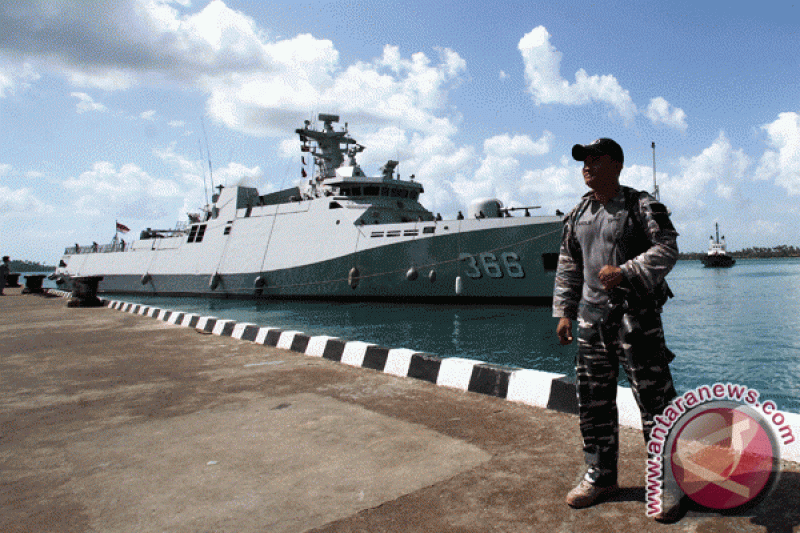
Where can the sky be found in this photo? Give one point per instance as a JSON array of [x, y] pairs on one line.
[[126, 110]]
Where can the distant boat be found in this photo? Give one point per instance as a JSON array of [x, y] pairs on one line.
[[717, 256]]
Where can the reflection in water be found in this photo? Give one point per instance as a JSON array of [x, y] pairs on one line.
[[456, 333]]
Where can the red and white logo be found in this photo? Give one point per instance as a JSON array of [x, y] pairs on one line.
[[723, 455]]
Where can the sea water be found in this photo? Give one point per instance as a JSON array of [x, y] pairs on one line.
[[738, 325]]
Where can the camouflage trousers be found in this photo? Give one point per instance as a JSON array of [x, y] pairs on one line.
[[638, 345]]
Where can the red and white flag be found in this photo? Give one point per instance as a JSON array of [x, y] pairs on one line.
[[122, 228]]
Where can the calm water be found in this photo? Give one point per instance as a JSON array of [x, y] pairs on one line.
[[740, 325]]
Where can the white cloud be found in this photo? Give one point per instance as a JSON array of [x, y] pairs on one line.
[[121, 41], [782, 162], [128, 191], [543, 74], [107, 79], [149, 115], [391, 89], [660, 111], [176, 123], [555, 187], [503, 75], [86, 103], [719, 169], [15, 75], [255, 84], [20, 202], [506, 146]]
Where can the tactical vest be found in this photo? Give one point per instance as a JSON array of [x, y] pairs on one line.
[[630, 241]]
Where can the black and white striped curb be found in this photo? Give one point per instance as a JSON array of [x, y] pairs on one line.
[[531, 387], [59, 292]]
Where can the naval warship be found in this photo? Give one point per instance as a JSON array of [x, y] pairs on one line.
[[340, 235]]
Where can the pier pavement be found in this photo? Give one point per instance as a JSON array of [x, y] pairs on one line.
[[115, 422]]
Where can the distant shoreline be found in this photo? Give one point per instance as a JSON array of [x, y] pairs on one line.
[[29, 266], [736, 255]]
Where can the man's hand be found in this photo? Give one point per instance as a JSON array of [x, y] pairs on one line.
[[564, 331], [610, 276]]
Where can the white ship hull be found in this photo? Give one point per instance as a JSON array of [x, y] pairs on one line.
[[505, 259]]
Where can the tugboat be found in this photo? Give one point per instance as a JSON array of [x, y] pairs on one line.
[[717, 256], [338, 235]]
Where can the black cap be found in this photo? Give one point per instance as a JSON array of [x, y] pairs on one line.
[[601, 146]]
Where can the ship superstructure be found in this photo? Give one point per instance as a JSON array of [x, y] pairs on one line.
[[339, 235]]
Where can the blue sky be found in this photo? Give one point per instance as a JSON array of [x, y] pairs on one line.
[[103, 105]]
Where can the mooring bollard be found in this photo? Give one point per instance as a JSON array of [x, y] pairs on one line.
[[84, 292], [12, 279], [33, 284]]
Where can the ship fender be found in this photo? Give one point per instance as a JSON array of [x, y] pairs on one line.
[[259, 284], [146, 279], [432, 275], [353, 278], [459, 285], [214, 282], [412, 274]]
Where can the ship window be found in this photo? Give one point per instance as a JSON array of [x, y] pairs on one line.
[[201, 230], [192, 233], [413, 196], [334, 205], [356, 191], [403, 193], [393, 233], [227, 230], [394, 193], [429, 229], [377, 234], [371, 191]]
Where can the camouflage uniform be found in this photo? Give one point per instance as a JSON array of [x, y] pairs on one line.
[[632, 231]]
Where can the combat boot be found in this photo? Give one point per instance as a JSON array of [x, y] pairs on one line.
[[671, 506], [587, 494]]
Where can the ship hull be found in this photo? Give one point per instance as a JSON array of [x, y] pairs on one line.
[[718, 261], [503, 261]]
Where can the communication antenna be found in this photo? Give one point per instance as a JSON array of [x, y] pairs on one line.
[[655, 185], [208, 152], [203, 168]]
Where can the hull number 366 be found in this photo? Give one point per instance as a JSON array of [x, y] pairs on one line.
[[488, 264]]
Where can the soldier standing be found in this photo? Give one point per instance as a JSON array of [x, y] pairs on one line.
[[618, 245]]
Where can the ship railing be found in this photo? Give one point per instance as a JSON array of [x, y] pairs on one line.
[[97, 248]]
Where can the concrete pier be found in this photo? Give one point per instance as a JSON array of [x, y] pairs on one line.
[[115, 422]]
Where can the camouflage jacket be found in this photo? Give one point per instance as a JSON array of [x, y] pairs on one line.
[[646, 246]]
